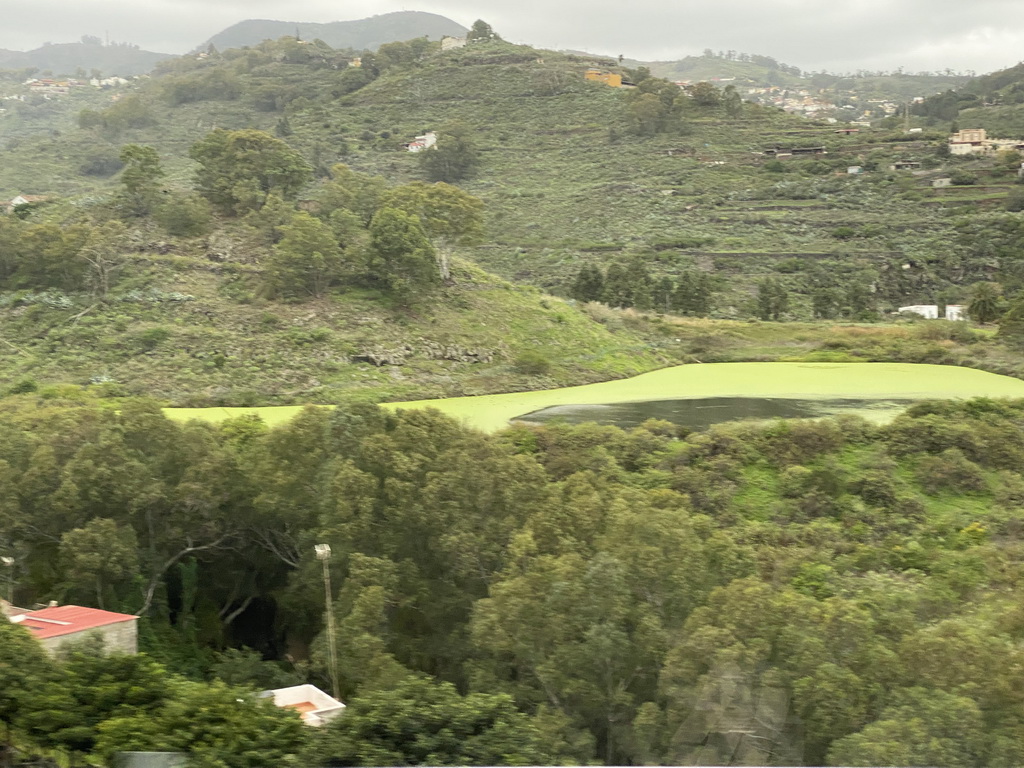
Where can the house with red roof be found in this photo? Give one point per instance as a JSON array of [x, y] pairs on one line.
[[58, 625]]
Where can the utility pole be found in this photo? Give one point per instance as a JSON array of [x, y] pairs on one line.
[[323, 554]]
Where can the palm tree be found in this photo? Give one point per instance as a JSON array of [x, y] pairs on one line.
[[986, 302]]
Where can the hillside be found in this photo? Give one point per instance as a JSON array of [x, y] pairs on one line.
[[68, 59], [752, 70], [358, 35], [567, 180], [994, 101]]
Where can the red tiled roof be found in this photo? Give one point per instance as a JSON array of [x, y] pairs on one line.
[[68, 619]]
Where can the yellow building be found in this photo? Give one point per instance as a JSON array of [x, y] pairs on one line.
[[608, 78]]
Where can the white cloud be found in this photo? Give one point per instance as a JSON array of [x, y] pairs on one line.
[[855, 34]]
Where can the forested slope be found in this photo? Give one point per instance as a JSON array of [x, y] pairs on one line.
[[799, 593]]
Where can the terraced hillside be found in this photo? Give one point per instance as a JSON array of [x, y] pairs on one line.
[[568, 178]]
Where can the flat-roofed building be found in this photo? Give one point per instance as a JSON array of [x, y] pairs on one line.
[[315, 706]]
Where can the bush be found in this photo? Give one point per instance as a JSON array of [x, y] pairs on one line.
[[184, 216], [152, 338], [23, 387], [532, 362], [101, 163], [950, 471], [963, 178]]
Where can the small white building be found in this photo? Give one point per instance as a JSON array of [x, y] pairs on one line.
[[315, 706], [956, 312], [928, 311], [855, 170], [420, 143], [111, 82], [942, 183]]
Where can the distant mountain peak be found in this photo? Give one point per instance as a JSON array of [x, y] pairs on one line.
[[359, 34]]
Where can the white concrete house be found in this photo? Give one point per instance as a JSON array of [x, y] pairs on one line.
[[315, 706], [929, 311], [956, 312], [421, 143]]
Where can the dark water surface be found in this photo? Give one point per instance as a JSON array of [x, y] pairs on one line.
[[700, 413]]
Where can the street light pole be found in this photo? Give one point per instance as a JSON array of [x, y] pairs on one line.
[[323, 554], [9, 562]]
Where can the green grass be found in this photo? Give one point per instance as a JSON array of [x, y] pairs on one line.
[[227, 346]]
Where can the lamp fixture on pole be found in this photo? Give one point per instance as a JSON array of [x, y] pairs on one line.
[[323, 554]]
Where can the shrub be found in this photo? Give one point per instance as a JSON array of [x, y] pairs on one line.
[[23, 387], [950, 471], [184, 216], [532, 362], [151, 338]]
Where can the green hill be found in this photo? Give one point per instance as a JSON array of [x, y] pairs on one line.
[[565, 178], [994, 101], [569, 176], [361, 34], [755, 70]]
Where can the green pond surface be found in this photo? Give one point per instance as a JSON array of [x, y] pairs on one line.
[[870, 383]]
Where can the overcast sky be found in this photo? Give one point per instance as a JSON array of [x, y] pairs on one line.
[[980, 35]]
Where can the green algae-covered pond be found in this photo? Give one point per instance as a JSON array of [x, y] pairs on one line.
[[878, 390]]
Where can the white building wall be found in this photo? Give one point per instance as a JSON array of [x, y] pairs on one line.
[[120, 638], [929, 311]]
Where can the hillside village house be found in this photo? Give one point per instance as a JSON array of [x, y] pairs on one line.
[[956, 312], [50, 87], [601, 76], [931, 311], [58, 625], [10, 205], [975, 141], [420, 143], [927, 311]]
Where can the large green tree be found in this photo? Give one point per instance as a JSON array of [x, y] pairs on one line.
[[239, 169], [401, 256], [922, 727], [772, 301], [421, 722], [140, 178], [449, 216], [306, 260]]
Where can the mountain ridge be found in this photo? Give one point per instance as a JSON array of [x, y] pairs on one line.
[[357, 34], [121, 59]]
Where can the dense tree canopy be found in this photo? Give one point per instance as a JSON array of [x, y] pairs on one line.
[[798, 592]]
